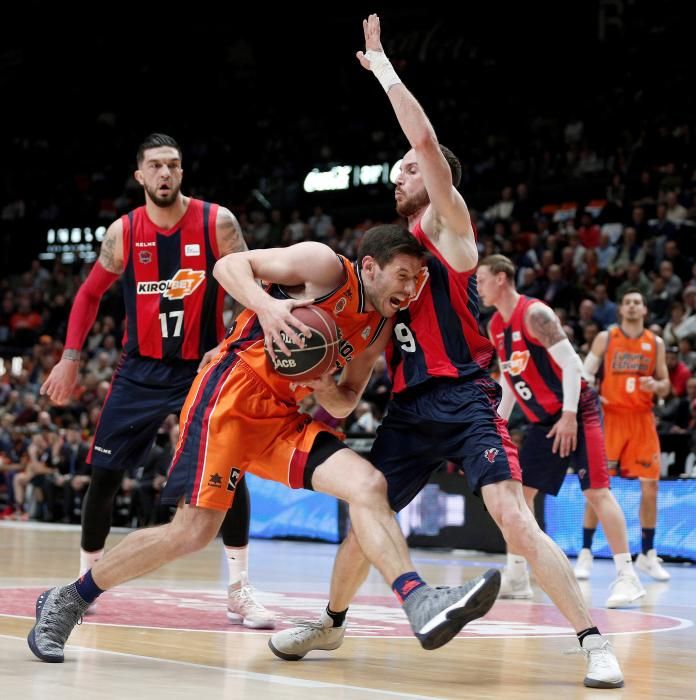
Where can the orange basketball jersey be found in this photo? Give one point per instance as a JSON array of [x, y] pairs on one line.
[[625, 361], [357, 327]]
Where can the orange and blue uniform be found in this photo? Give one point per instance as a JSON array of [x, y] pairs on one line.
[[241, 415], [632, 439]]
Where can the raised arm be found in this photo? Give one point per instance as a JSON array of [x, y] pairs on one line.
[[291, 267], [109, 266], [447, 220]]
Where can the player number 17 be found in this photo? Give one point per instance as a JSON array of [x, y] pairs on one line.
[[178, 316]]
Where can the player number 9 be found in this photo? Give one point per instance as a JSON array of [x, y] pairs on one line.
[[405, 337]]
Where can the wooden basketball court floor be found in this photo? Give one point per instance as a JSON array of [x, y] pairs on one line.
[[166, 636]]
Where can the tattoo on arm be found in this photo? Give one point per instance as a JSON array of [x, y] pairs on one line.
[[109, 256], [230, 240], [545, 326], [229, 235]]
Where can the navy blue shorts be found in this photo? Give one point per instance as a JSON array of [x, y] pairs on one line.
[[545, 471], [143, 392], [449, 422]]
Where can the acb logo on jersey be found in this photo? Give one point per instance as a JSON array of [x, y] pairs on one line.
[[183, 283], [517, 363]]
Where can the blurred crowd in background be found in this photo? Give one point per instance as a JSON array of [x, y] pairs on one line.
[[576, 166]]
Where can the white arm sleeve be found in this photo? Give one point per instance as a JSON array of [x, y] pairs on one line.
[[507, 401], [591, 367], [569, 362]]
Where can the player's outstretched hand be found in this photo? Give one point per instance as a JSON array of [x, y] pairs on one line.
[[372, 39]]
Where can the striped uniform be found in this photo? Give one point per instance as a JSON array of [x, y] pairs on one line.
[[444, 403], [536, 381], [241, 415], [632, 439], [173, 316]]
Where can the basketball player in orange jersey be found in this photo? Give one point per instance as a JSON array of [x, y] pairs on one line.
[[241, 415], [542, 373], [163, 253], [630, 361]]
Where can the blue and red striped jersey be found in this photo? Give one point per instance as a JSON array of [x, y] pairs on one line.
[[527, 365], [173, 302], [437, 334]]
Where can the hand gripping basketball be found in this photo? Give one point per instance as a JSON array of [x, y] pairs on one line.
[[320, 350]]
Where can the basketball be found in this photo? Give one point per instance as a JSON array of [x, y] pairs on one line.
[[320, 352]]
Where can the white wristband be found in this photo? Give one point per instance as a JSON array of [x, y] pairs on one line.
[[381, 66]]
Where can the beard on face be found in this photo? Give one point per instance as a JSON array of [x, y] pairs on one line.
[[163, 201], [411, 205]]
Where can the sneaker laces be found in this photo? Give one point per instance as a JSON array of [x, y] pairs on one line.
[[314, 627], [61, 623], [245, 595], [602, 654]]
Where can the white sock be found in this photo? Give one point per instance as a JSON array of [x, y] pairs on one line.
[[623, 563], [89, 559], [516, 565], [237, 562]]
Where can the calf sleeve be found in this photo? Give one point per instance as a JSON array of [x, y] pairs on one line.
[[98, 507]]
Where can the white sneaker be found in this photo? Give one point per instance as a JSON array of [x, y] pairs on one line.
[[603, 670], [626, 589], [244, 609], [516, 588], [583, 565], [292, 644], [651, 564]]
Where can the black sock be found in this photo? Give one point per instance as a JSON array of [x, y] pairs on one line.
[[647, 538], [587, 537], [587, 633], [338, 617]]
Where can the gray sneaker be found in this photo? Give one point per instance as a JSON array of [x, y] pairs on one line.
[[293, 643], [58, 610], [438, 614]]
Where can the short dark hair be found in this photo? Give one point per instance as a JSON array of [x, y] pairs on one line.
[[633, 290], [386, 241], [499, 263], [454, 164], [155, 141]]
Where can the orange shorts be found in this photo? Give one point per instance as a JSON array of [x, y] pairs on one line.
[[632, 442], [231, 423]]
